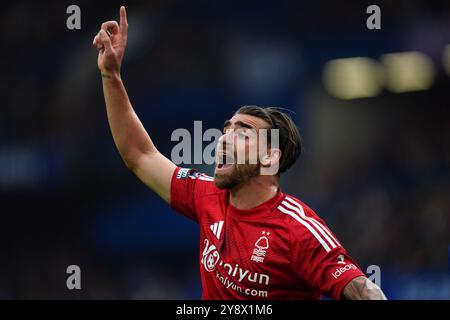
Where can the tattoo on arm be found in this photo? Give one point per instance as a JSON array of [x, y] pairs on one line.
[[361, 288]]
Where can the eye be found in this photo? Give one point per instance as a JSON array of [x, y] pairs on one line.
[[241, 133]]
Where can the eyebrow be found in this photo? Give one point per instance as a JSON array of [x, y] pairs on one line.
[[240, 124]]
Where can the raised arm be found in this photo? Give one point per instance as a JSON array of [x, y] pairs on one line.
[[361, 288], [133, 142]]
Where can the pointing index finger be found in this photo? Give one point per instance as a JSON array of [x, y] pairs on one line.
[[123, 20]]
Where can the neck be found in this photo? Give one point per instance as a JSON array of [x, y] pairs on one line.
[[254, 192]]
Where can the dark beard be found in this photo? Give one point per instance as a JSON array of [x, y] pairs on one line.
[[240, 174]]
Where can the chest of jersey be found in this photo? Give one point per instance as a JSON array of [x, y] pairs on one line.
[[245, 259]]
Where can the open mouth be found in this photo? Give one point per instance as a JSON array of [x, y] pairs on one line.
[[224, 161]]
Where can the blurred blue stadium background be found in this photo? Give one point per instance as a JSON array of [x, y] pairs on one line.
[[376, 164]]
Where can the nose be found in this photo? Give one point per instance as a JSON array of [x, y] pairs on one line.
[[226, 140], [222, 144]]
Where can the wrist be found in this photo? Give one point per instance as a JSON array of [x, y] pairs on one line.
[[110, 75]]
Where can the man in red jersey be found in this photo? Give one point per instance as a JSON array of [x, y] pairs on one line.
[[255, 241]]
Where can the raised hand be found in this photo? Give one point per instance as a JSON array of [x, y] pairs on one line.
[[110, 42]]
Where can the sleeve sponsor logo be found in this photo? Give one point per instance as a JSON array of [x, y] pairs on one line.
[[183, 173], [339, 271]]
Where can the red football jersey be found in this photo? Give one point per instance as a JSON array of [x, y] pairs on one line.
[[278, 250]]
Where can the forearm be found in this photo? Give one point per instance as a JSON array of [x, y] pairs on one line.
[[362, 288], [129, 134], [132, 141]]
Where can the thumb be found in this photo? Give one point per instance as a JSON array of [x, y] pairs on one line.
[[105, 40]]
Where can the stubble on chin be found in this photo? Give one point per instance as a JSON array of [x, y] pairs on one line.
[[240, 175]]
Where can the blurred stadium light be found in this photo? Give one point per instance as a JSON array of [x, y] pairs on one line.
[[407, 71], [361, 77], [352, 78]]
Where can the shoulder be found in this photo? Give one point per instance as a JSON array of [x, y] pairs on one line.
[[304, 225], [203, 183], [295, 212]]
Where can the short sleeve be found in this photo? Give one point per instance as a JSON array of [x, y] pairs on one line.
[[186, 186], [320, 260]]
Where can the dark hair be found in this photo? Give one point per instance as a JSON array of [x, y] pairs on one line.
[[290, 139]]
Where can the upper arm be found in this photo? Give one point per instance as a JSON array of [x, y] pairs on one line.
[[327, 273], [156, 171], [361, 288]]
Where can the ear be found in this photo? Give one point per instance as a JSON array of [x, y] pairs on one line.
[[272, 158]]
